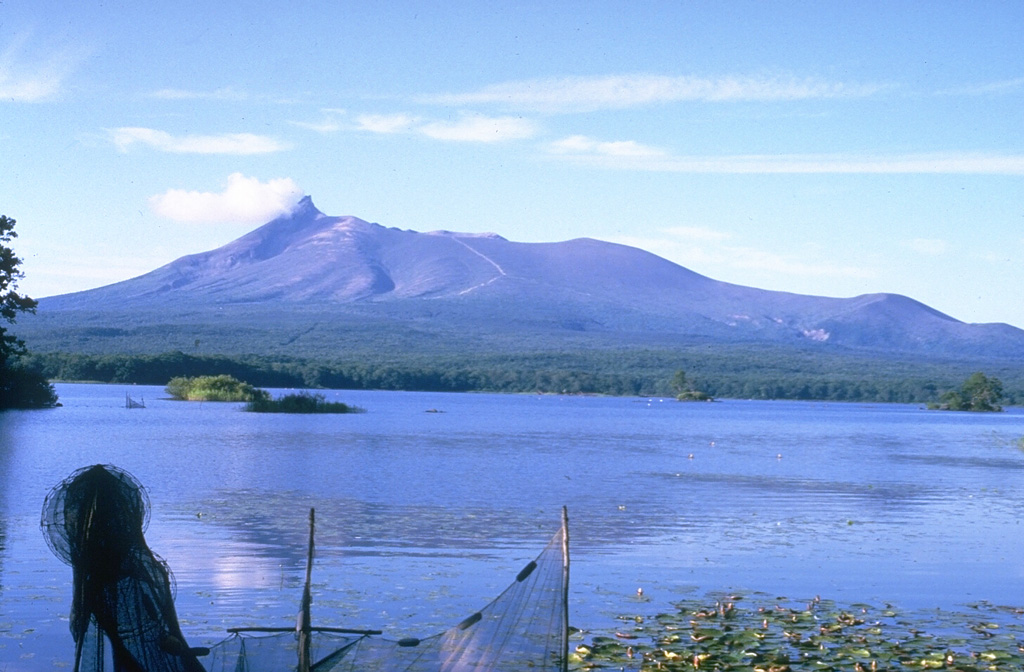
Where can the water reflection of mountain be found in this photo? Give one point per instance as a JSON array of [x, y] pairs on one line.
[[813, 494], [958, 461], [275, 524]]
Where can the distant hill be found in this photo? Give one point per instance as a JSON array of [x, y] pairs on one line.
[[310, 284]]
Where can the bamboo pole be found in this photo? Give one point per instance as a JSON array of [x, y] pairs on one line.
[[305, 626], [565, 589]]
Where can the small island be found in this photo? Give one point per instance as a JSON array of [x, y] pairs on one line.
[[685, 390], [229, 388], [978, 393], [302, 402], [213, 388]]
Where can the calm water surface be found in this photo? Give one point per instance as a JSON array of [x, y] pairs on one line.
[[424, 517]]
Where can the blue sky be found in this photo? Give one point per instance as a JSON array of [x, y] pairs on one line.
[[830, 148]]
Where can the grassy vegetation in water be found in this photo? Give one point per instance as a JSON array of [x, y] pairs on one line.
[[726, 634], [303, 402], [213, 388]]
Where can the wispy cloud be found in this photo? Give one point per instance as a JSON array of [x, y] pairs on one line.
[[245, 200], [386, 123], [701, 234], [478, 128], [929, 247], [584, 94], [464, 128], [762, 260], [632, 156], [27, 78], [986, 88], [330, 122], [226, 93], [229, 143], [702, 248], [581, 145]]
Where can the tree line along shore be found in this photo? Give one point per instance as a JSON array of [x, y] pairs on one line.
[[749, 376]]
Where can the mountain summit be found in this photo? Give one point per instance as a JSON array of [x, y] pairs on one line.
[[307, 268], [308, 256]]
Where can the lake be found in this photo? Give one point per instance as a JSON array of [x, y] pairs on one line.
[[423, 517]]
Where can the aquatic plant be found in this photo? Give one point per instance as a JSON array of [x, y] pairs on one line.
[[213, 388], [302, 402], [724, 634]]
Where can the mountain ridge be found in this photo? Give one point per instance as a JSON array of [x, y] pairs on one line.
[[326, 271]]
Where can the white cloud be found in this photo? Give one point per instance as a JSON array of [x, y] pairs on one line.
[[929, 247], [763, 260], [25, 79], [385, 123], [581, 145], [988, 88], [226, 93], [697, 233], [229, 143], [466, 128], [707, 251], [330, 123], [245, 200], [583, 94], [600, 154], [474, 128]]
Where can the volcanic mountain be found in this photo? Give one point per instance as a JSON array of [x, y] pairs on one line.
[[307, 277]]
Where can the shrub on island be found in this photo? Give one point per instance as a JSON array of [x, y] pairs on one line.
[[213, 388], [978, 393], [302, 402], [694, 395], [685, 391]]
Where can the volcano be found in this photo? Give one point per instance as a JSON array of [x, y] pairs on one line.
[[319, 277]]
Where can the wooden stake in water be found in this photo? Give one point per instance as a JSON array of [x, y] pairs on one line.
[[305, 626], [565, 590]]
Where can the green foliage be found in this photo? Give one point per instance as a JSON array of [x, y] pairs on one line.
[[733, 372], [978, 393], [679, 382], [694, 395], [11, 303], [20, 386], [684, 388], [302, 402], [213, 388], [982, 393]]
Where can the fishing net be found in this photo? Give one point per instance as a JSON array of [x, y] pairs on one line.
[[524, 628], [94, 521], [123, 595]]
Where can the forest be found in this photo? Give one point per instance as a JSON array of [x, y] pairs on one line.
[[728, 372]]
